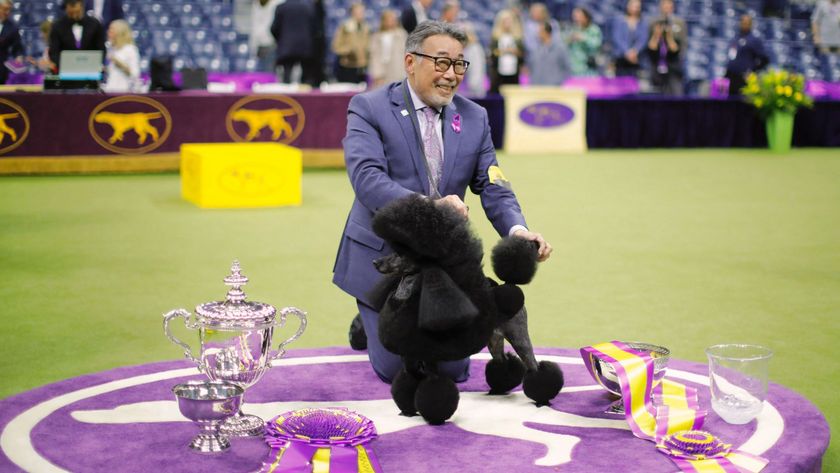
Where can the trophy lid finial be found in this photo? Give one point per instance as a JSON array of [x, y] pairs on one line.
[[236, 280]]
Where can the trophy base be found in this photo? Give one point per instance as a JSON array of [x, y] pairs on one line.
[[616, 408], [243, 425], [206, 443]]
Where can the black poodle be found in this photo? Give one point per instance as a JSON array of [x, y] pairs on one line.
[[435, 304]]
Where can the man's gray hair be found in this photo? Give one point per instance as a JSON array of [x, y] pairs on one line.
[[432, 28]]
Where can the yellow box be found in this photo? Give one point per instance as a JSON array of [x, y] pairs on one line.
[[239, 175]]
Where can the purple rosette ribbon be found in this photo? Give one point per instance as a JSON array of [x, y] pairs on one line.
[[693, 445], [456, 123], [330, 439]]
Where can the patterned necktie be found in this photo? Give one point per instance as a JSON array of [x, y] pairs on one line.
[[434, 155]]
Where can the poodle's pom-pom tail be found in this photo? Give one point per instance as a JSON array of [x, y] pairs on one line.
[[403, 388], [515, 260], [436, 399], [504, 374], [543, 384]]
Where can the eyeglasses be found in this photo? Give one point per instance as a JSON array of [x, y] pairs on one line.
[[442, 63]]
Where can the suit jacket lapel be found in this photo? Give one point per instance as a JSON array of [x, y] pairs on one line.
[[410, 134], [451, 141]]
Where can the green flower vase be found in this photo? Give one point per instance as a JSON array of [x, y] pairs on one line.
[[779, 131]]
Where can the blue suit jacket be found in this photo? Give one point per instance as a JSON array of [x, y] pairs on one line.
[[384, 163]]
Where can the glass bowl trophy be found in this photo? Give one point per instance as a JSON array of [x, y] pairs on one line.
[[235, 337], [609, 379]]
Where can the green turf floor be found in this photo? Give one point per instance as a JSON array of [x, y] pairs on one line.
[[681, 248]]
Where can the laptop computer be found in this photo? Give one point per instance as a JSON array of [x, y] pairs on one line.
[[80, 65]]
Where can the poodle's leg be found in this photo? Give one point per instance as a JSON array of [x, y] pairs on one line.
[[505, 371], [437, 397], [543, 380], [404, 387]]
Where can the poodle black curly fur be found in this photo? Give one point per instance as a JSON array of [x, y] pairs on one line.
[[435, 304]]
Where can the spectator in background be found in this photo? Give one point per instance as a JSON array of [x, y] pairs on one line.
[[123, 59], [11, 45], [533, 28], [550, 60], [319, 44], [628, 37], [387, 50], [75, 31], [584, 42], [477, 72], [450, 11], [105, 11], [260, 42], [414, 13], [746, 54], [506, 50], [294, 28], [825, 26], [667, 40], [350, 43], [43, 63]]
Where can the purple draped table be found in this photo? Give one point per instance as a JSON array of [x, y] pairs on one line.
[[127, 420]]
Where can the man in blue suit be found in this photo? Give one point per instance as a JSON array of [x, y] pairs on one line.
[[396, 138]]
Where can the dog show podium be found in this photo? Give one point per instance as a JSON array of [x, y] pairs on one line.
[[241, 175]]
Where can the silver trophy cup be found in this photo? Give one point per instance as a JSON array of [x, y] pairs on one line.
[[235, 337], [609, 379], [208, 404]]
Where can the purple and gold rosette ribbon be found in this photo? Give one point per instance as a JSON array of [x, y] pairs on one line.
[[327, 440], [666, 413]]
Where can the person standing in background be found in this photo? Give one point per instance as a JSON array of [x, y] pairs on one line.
[[387, 49], [628, 38], [449, 12], [746, 54], [75, 31], [294, 28], [506, 51], [550, 59], [584, 42], [260, 42], [415, 13], [665, 48], [43, 63], [350, 44], [123, 59], [105, 11], [825, 26], [532, 30], [477, 72], [11, 45]]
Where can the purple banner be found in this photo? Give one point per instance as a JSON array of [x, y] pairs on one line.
[[97, 124]]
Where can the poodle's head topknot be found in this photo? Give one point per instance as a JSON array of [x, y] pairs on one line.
[[415, 224]]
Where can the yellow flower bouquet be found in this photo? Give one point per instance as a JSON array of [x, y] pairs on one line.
[[776, 90]]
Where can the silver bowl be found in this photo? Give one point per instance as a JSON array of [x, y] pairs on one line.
[[661, 356], [208, 404]]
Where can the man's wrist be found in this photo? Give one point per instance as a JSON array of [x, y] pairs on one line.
[[516, 228]]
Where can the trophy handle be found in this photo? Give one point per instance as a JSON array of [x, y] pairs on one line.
[[167, 317], [281, 350]]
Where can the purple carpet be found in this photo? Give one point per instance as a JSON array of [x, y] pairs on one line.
[[126, 420]]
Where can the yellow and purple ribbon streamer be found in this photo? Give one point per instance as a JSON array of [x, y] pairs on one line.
[[666, 413], [329, 440]]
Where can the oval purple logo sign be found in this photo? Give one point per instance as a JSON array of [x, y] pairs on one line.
[[546, 114]]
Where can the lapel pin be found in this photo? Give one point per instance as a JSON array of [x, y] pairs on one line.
[[404, 113]]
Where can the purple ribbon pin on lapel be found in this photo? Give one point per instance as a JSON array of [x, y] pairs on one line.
[[456, 123]]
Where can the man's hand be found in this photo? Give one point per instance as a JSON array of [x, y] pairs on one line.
[[545, 249], [456, 203]]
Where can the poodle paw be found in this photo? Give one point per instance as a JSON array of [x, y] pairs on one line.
[[504, 374], [543, 384], [403, 389], [436, 399]]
